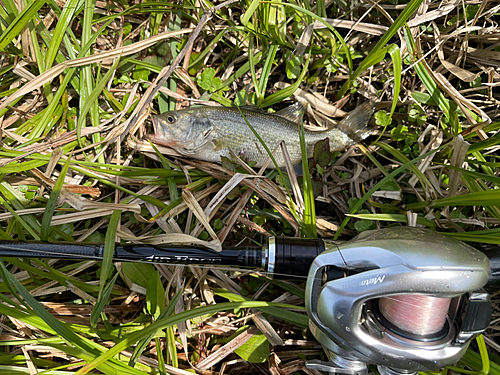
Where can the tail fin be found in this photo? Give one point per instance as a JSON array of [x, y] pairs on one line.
[[355, 124]]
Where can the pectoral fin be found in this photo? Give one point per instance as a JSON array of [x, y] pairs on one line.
[[226, 143], [219, 144]]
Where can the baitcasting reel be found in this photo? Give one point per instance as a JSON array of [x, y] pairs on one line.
[[404, 299]]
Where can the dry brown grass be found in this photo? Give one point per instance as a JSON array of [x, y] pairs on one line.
[[458, 54]]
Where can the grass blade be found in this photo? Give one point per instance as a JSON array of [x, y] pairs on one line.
[[102, 302], [43, 124], [395, 53], [266, 70], [56, 325], [65, 19], [309, 209], [374, 54], [381, 183], [429, 83], [161, 324], [480, 198], [52, 202], [109, 249], [476, 237], [11, 9], [402, 158], [287, 92], [21, 21], [330, 27], [398, 218], [91, 100], [251, 61], [481, 145], [249, 13]]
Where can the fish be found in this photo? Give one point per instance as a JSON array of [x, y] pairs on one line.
[[209, 133]]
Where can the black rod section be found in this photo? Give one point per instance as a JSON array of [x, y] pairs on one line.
[[282, 257], [51, 250], [172, 254]]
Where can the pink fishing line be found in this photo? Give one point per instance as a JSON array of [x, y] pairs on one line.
[[415, 313]]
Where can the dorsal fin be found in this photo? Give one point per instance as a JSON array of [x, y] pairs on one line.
[[251, 107], [293, 113]]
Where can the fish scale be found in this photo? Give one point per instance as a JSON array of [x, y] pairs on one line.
[[208, 133]]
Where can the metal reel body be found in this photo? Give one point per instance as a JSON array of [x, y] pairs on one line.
[[393, 262]]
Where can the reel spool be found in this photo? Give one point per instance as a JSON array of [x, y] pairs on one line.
[[411, 300], [414, 315]]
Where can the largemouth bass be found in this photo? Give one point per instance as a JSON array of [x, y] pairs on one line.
[[208, 133]]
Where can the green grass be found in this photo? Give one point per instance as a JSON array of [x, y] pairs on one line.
[[72, 76]]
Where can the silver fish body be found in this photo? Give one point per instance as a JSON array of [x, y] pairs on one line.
[[208, 133]]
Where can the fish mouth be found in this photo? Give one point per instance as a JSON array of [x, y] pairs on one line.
[[158, 136], [155, 138], [156, 125], [158, 140]]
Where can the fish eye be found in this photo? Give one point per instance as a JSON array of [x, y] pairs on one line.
[[170, 118]]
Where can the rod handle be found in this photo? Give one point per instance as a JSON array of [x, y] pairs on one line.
[[291, 256]]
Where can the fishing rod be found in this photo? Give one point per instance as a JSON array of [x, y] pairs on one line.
[[282, 256], [403, 299]]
